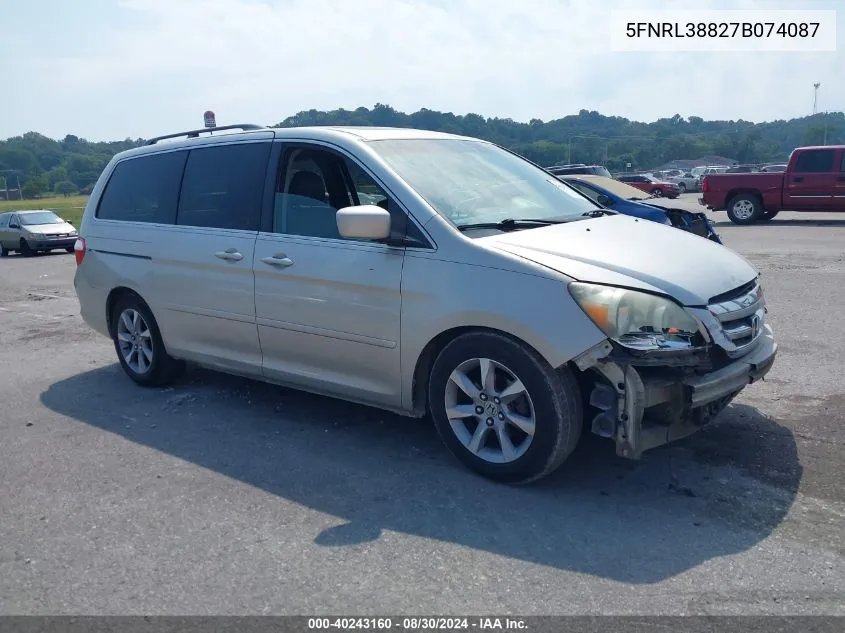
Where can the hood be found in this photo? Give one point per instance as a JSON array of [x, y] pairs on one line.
[[623, 251], [49, 229]]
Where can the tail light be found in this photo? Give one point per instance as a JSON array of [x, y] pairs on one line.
[[79, 250], [705, 185]]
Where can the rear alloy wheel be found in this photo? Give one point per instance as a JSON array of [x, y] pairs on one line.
[[501, 409], [138, 343], [657, 192], [744, 209], [26, 251], [768, 215]]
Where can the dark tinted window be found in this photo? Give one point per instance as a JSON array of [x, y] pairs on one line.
[[144, 189], [815, 161], [842, 166], [4, 221], [223, 186]]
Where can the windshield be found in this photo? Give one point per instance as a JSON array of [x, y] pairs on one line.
[[616, 187], [41, 217], [470, 182]]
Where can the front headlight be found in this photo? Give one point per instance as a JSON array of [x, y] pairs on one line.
[[637, 320]]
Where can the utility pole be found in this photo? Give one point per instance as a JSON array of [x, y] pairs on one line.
[[815, 96]]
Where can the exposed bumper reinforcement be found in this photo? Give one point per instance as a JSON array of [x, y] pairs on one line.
[[639, 412]]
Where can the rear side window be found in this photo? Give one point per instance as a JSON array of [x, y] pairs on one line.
[[4, 221], [144, 189], [815, 161], [223, 186]]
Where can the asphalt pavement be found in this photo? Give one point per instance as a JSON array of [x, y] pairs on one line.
[[226, 496]]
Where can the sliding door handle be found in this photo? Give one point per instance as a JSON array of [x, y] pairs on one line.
[[230, 255]]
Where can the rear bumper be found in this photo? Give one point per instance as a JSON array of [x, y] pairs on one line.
[[639, 410]]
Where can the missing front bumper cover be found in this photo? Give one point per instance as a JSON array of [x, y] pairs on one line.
[[640, 409]]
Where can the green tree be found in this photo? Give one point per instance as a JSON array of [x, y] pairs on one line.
[[57, 174], [65, 188], [34, 187]]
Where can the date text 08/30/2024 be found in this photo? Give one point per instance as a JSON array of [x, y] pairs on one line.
[[417, 624]]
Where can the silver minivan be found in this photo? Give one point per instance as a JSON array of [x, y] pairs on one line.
[[421, 273], [35, 231]]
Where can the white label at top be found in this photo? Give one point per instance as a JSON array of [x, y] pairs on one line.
[[724, 31]]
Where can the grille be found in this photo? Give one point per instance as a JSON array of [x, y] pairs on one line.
[[741, 315]]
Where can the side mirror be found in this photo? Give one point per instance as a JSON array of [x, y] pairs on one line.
[[604, 200], [364, 222], [14, 225]]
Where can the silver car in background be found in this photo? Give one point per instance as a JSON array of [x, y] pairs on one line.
[[35, 231], [422, 273]]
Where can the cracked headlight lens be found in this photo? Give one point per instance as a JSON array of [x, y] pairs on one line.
[[637, 320]]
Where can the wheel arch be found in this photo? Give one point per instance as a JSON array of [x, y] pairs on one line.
[[425, 360]]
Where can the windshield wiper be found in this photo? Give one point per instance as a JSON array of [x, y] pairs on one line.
[[511, 224], [597, 213]]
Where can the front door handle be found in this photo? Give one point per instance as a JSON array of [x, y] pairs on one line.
[[279, 259], [800, 179], [230, 255]]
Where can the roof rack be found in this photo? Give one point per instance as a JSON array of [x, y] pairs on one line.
[[196, 133]]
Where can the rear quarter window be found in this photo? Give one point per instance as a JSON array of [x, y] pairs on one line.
[[144, 189], [815, 161]]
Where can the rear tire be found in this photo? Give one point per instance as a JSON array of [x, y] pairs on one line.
[[531, 417], [682, 187], [657, 193], [137, 341], [25, 250], [744, 209], [69, 249], [4, 252], [768, 215]]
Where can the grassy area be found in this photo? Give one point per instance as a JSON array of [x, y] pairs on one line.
[[69, 208]]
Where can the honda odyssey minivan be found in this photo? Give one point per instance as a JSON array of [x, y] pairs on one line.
[[422, 273]]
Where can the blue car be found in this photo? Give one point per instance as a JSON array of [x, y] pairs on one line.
[[617, 196]]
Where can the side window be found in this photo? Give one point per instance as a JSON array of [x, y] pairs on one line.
[[815, 161], [144, 189], [842, 164], [13, 219], [223, 186], [4, 221], [313, 185]]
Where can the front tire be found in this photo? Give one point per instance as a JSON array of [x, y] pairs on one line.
[[744, 209], [69, 249], [682, 187], [768, 215], [25, 249], [138, 344], [530, 416], [657, 193]]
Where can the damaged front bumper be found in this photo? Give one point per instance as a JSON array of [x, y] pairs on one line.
[[643, 404]]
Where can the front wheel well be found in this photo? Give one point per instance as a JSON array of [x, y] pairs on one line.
[[422, 371]]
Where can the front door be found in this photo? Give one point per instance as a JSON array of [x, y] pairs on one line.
[[811, 183], [328, 309]]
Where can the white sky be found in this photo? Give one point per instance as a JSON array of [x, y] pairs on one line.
[[111, 69]]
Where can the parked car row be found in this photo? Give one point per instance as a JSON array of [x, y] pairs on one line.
[[425, 274]]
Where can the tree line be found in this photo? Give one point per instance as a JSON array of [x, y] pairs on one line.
[[43, 165]]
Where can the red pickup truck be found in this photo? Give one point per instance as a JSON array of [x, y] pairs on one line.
[[814, 180]]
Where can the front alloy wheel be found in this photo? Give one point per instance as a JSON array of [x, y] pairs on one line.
[[490, 411], [501, 409]]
